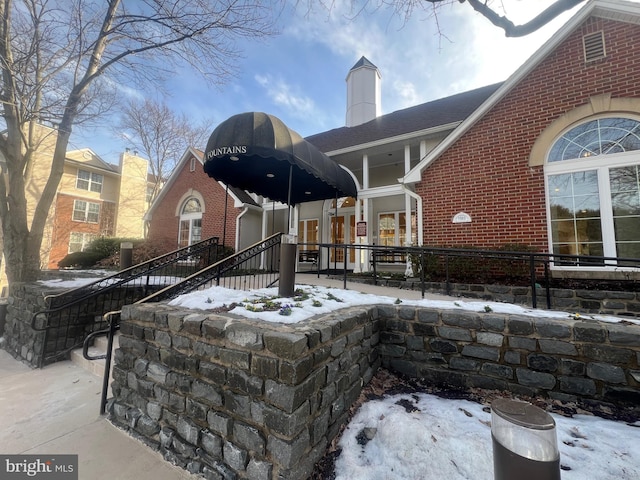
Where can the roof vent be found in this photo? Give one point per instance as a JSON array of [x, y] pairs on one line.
[[593, 46]]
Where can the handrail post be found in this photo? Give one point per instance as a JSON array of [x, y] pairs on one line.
[[107, 365], [547, 286], [446, 269], [373, 262], [422, 285], [344, 279], [532, 273]]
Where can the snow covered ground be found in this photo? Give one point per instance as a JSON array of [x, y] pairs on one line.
[[439, 438]]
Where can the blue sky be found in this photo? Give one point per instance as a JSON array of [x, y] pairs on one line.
[[299, 75]]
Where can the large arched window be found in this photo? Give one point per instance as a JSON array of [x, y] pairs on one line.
[[593, 190], [190, 230]]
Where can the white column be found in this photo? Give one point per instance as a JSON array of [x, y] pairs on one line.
[[365, 171], [407, 198]]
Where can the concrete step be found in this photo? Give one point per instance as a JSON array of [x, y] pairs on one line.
[[99, 348]]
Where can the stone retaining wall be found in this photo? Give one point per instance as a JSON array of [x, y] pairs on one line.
[[68, 329], [233, 398], [21, 340], [581, 301], [569, 359]]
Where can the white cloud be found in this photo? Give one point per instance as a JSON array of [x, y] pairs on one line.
[[285, 95]]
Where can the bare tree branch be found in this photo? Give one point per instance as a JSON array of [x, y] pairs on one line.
[[62, 60]]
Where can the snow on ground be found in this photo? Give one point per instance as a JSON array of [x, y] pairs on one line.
[[312, 300], [451, 439], [443, 438]]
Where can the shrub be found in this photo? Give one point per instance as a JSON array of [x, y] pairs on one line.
[[80, 260]]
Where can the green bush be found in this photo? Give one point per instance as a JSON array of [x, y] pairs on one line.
[[80, 260]]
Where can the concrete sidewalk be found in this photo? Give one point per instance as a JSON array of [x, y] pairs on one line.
[[55, 410], [403, 294]]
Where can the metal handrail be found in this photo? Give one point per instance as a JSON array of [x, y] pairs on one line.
[[537, 263], [73, 314], [122, 277], [208, 274]]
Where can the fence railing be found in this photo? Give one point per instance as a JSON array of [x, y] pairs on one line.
[[254, 267], [452, 265], [70, 316]]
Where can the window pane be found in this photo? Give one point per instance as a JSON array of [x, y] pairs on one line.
[[93, 213], [191, 206], [387, 226], [183, 234], [627, 229], [196, 230], [311, 235], [96, 182], [628, 250], [82, 181], [625, 190], [604, 136], [79, 210], [75, 242]]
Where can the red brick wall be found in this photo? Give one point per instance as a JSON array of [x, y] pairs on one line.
[[486, 172], [163, 228], [64, 224]]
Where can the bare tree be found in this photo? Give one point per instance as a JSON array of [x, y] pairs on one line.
[[58, 57], [491, 10], [160, 135]]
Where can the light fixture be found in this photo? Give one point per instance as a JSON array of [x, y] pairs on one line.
[[270, 175], [233, 158], [307, 193]]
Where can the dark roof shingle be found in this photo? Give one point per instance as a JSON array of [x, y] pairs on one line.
[[420, 117]]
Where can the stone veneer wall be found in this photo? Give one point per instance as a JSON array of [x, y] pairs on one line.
[[583, 301], [233, 398], [25, 299], [21, 340]]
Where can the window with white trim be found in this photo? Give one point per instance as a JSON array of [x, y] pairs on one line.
[[190, 227], [308, 233], [84, 211], [593, 191], [89, 181], [78, 242], [392, 228]]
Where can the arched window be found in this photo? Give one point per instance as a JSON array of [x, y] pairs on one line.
[[190, 230], [593, 190]]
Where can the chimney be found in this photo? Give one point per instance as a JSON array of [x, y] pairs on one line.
[[363, 93]]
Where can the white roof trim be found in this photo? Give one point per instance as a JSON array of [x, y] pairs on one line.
[[397, 138], [612, 9], [188, 153]]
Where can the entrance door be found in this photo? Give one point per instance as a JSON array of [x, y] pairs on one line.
[[343, 227]]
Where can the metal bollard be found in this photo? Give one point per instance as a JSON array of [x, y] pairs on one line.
[[288, 247], [126, 255], [525, 446]]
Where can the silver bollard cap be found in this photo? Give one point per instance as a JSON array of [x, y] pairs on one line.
[[524, 429]]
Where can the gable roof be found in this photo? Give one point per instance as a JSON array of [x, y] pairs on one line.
[[445, 111], [238, 194], [619, 10]]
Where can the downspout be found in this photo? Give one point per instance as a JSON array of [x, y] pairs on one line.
[[418, 212], [244, 211]]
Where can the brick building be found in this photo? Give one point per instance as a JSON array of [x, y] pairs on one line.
[[550, 159], [191, 207]]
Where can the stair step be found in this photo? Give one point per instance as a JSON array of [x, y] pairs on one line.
[[99, 348]]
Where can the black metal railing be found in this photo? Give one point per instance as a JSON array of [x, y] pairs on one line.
[[73, 314], [254, 267], [452, 265]]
